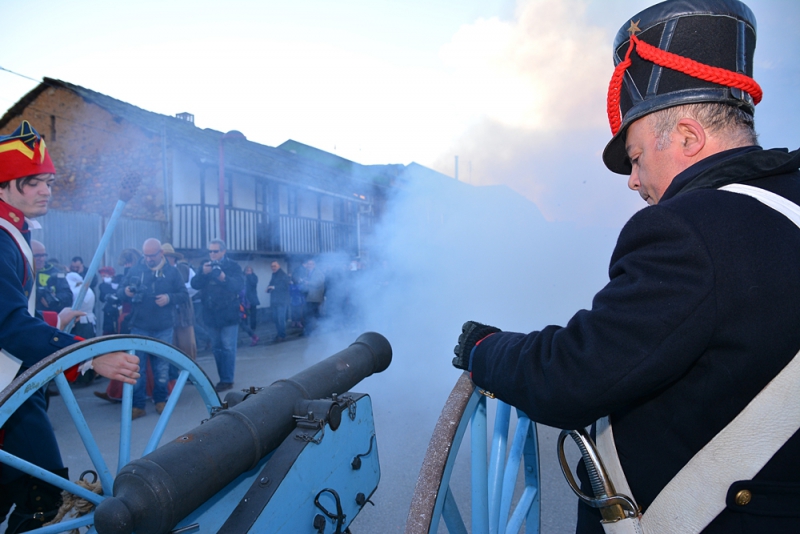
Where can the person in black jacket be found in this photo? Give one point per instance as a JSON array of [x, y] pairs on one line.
[[702, 308], [108, 296], [251, 292], [279, 299], [221, 280], [52, 290], [154, 288]]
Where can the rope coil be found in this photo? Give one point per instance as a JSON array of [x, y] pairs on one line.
[[81, 506], [687, 66]]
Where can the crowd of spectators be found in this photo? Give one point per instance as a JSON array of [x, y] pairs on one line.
[[201, 305]]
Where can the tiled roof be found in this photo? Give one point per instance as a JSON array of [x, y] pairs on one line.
[[292, 161], [304, 167]]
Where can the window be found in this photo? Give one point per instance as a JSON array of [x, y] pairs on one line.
[[262, 196], [228, 190]]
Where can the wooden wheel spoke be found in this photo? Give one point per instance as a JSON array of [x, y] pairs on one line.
[[501, 500], [52, 367]]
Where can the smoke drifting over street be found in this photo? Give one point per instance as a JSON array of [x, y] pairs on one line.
[[446, 252]]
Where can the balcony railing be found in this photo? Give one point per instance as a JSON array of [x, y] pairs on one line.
[[255, 231]]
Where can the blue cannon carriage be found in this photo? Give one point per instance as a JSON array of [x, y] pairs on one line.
[[298, 456]]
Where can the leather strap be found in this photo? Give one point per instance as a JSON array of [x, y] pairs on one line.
[[607, 450], [630, 525], [696, 495], [776, 202]]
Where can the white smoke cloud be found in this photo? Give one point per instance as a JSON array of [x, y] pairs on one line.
[[545, 70], [444, 253], [536, 88]]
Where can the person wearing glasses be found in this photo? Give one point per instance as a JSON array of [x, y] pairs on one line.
[[154, 288], [221, 280]]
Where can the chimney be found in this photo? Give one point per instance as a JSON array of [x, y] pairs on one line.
[[188, 117]]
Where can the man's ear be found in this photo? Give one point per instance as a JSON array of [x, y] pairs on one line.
[[692, 136]]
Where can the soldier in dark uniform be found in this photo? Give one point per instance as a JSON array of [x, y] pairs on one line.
[[26, 178], [702, 309]]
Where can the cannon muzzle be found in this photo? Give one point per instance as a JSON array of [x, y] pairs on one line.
[[152, 494]]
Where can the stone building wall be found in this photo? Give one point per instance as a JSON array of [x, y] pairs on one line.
[[92, 150]]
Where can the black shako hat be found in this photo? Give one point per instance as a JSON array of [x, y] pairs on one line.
[[679, 52]]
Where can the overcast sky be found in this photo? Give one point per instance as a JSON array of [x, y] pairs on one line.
[[515, 89]]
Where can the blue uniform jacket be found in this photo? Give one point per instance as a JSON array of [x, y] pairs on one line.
[[701, 311], [28, 433], [28, 338]]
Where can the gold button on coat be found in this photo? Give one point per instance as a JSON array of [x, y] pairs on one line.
[[743, 497]]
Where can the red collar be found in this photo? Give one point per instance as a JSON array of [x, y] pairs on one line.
[[12, 215]]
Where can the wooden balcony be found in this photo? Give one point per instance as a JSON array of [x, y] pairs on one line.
[[194, 225]]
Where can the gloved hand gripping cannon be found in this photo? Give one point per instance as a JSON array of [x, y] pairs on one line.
[[154, 493]]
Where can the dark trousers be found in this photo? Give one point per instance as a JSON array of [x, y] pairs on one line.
[[36, 502], [201, 334], [312, 316], [29, 435], [279, 317], [253, 315]]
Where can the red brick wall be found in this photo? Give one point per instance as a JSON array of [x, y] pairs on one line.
[[92, 150]]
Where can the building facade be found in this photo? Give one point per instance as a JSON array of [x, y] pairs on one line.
[[277, 203]]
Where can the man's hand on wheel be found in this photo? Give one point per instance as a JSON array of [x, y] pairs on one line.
[[118, 366], [471, 334]]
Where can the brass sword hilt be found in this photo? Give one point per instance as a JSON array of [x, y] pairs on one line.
[[612, 505]]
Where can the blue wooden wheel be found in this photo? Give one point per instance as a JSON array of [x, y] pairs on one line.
[[497, 503], [52, 367]]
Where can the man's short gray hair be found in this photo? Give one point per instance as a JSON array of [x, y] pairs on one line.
[[219, 242], [723, 120]]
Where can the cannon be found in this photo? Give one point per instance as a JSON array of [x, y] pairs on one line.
[[152, 494], [297, 456]]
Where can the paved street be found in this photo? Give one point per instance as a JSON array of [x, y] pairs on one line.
[[406, 403]]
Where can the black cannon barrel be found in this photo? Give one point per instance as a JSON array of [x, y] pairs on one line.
[[152, 494]]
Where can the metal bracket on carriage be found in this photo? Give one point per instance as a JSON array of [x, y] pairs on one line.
[[350, 402], [317, 414], [236, 397], [232, 399], [215, 410], [330, 412], [313, 425]]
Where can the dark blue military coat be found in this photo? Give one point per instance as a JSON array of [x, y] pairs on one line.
[[701, 311], [28, 433]]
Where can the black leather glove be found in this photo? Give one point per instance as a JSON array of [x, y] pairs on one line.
[[471, 333]]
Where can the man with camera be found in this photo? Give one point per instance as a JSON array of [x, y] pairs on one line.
[[221, 280], [154, 288]]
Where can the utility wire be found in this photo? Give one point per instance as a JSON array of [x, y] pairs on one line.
[[21, 75]]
